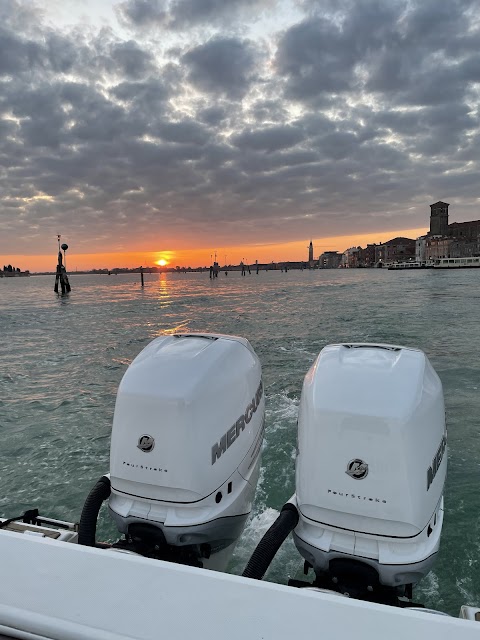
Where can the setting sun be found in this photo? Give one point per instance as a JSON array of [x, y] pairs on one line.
[[162, 263]]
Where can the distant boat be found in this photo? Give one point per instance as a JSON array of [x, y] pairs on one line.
[[438, 263], [457, 263], [400, 266]]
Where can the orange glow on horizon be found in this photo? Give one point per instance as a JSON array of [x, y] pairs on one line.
[[203, 257]]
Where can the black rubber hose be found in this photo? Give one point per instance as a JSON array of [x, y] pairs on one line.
[[88, 520], [271, 542]]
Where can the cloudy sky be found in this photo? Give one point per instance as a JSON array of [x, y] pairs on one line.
[[172, 125]]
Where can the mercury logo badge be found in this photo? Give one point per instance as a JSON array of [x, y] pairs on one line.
[[357, 469], [146, 443]]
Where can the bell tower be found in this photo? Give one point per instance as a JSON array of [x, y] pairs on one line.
[[439, 219], [310, 252]]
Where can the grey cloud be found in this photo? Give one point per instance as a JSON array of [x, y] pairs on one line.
[[427, 83], [55, 53], [212, 115], [420, 52], [313, 58], [215, 157], [390, 72], [17, 54], [268, 110], [131, 60], [186, 132], [434, 24], [470, 67], [338, 145], [151, 93], [191, 12], [377, 157], [432, 57], [321, 54], [315, 124], [467, 181], [20, 17], [143, 12], [269, 139], [106, 57], [62, 53], [46, 132], [105, 124], [32, 102], [8, 128], [453, 117], [254, 162], [146, 101], [365, 111], [224, 66], [184, 14], [431, 129]]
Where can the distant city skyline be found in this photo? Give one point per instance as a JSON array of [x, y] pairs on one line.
[[294, 251], [139, 128], [460, 238]]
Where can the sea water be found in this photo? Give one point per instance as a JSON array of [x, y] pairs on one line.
[[62, 358]]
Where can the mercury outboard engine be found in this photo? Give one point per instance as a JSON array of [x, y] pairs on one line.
[[185, 451], [370, 470], [371, 467]]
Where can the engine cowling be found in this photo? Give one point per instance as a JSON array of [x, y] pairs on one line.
[[186, 440], [371, 462]]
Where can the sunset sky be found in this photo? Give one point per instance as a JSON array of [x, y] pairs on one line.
[[143, 130]]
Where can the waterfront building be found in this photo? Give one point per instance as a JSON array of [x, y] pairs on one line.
[[329, 260], [421, 249], [395, 250], [437, 247], [444, 240], [462, 247], [350, 258], [467, 230], [366, 257]]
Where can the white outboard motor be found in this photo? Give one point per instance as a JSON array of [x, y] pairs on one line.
[[371, 467], [185, 450]]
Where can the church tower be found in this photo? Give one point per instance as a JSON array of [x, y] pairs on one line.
[[439, 219], [310, 252]]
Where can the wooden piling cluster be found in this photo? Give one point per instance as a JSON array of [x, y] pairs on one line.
[[61, 277], [214, 269]]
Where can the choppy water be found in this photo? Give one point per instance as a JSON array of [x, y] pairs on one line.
[[61, 360]]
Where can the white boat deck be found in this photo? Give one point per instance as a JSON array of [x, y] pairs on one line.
[[63, 591]]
